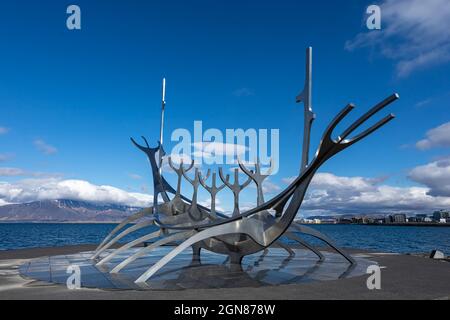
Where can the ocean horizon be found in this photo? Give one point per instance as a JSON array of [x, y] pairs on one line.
[[395, 239]]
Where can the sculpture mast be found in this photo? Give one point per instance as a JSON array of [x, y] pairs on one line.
[[161, 131], [309, 115]]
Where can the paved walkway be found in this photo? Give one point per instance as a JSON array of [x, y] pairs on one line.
[[403, 277]]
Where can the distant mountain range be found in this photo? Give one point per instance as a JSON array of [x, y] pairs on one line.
[[64, 210]]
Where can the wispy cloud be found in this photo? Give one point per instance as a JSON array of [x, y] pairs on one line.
[[415, 34], [3, 130], [423, 103], [18, 172], [243, 92], [211, 149], [270, 187], [135, 176], [48, 189], [177, 159], [44, 147], [12, 172], [436, 137], [207, 203], [6, 156]]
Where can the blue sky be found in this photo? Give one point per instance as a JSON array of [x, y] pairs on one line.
[[70, 100]]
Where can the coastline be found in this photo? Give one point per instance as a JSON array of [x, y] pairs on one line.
[[384, 224], [408, 224]]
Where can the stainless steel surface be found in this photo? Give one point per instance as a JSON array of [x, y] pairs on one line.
[[268, 268], [257, 177], [309, 116], [194, 211], [125, 222], [129, 230], [129, 245], [235, 188], [161, 130], [143, 251], [251, 231], [213, 191]]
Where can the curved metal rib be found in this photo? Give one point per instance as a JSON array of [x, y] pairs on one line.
[[305, 244], [231, 228], [125, 222], [281, 245], [144, 251], [319, 235], [130, 245], [136, 227]]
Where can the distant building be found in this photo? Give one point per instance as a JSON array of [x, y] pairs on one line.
[[388, 219], [358, 220], [345, 221], [368, 220], [438, 215], [399, 218], [329, 220], [420, 217]]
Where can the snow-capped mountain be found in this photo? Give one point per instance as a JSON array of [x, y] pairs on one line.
[[64, 210]]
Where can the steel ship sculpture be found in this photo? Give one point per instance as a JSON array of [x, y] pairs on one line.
[[184, 221]]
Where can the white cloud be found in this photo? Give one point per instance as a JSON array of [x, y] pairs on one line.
[[434, 175], [209, 149], [436, 137], [331, 194], [207, 203], [135, 176], [6, 156], [12, 172], [270, 187], [288, 180], [3, 130], [18, 172], [45, 148], [47, 189], [423, 103], [414, 33]]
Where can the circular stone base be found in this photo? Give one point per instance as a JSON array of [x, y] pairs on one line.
[[271, 267]]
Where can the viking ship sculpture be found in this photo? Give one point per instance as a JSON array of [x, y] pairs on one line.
[[188, 224]]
